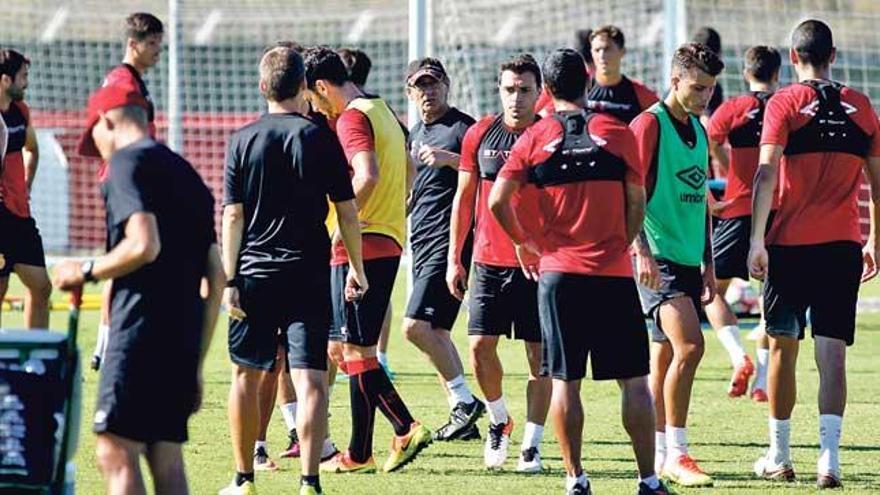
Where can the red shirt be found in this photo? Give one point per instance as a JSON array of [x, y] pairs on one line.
[[356, 135], [13, 181], [730, 115], [126, 76], [818, 192], [583, 224], [492, 246], [646, 130]]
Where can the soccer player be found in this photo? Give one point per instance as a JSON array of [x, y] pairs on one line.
[[674, 153], [503, 301], [589, 208], [143, 46], [358, 65], [544, 105], [818, 136], [435, 146], [161, 229], [22, 246], [612, 92], [738, 121], [280, 172], [375, 148]]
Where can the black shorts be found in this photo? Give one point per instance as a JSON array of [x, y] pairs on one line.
[[360, 322], [591, 316], [504, 302], [730, 246], [298, 304], [430, 299], [821, 278], [20, 242], [675, 281], [144, 397]]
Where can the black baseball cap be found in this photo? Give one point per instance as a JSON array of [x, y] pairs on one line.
[[426, 67]]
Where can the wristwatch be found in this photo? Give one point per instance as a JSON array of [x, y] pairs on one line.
[[87, 267]]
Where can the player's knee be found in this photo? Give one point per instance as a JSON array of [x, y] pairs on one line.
[[167, 469], [245, 377], [40, 290], [415, 331], [482, 350], [691, 352], [113, 458]]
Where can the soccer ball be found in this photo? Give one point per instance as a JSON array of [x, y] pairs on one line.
[[742, 298]]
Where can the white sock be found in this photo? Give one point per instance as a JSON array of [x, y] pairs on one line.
[[383, 358], [676, 441], [652, 481], [571, 481], [288, 411], [497, 411], [763, 356], [660, 447], [533, 435], [327, 448], [259, 444], [459, 391], [729, 337], [780, 436], [829, 444]]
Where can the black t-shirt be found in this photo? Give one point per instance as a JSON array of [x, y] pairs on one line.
[[282, 168], [157, 308], [620, 100], [434, 188]]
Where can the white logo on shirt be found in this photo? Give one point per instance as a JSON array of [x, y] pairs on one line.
[[552, 145], [813, 108], [598, 140]]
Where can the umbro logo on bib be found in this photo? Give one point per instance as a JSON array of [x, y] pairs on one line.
[[693, 176]]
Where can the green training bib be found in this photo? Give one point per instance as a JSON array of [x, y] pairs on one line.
[[675, 220]]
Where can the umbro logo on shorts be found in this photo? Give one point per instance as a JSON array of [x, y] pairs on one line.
[[429, 311]]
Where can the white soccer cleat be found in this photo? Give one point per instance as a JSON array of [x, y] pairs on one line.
[[530, 461], [497, 444], [768, 469]]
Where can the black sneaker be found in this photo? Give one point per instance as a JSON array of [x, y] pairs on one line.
[[472, 433], [660, 490], [462, 417], [581, 490]]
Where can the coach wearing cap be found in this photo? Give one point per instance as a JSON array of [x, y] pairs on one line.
[[160, 232]]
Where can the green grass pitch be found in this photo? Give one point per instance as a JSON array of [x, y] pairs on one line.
[[726, 435]]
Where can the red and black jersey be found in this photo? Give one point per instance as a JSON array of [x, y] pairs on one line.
[[828, 130], [625, 100], [739, 122], [579, 164], [13, 181], [485, 148]]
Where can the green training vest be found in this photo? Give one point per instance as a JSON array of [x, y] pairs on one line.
[[675, 220]]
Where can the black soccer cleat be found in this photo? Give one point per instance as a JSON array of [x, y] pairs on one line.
[[660, 490], [462, 418], [581, 490]]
